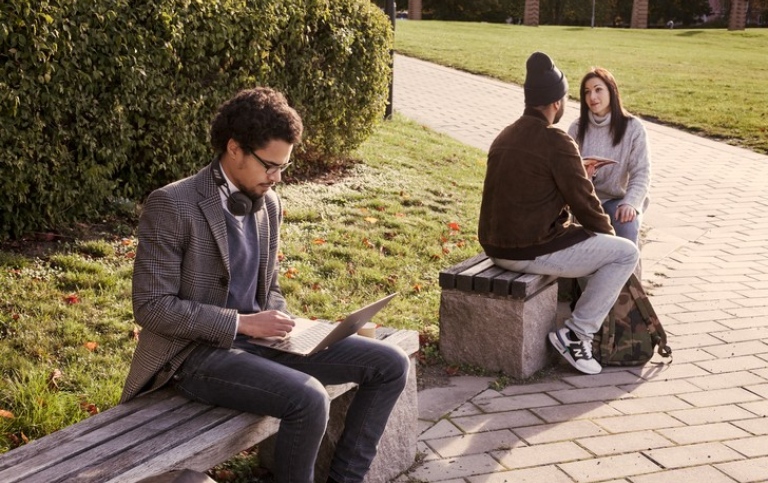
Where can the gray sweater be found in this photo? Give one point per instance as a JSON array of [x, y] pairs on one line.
[[630, 179]]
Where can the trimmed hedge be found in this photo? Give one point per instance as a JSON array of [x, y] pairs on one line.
[[104, 100]]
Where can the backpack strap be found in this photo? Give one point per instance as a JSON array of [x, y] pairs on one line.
[[646, 310]]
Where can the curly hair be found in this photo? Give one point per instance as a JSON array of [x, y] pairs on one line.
[[253, 118], [619, 116]]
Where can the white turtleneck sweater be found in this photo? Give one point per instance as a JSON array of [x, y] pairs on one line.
[[629, 179]]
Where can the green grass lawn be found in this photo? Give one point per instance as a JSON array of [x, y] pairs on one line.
[[713, 82]]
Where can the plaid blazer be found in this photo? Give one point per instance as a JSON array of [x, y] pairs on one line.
[[181, 277]]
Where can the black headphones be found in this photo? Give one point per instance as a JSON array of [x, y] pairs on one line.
[[238, 203]]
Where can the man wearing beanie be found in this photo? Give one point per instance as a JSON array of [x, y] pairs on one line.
[[534, 182]]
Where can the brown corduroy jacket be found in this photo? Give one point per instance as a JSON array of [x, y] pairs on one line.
[[534, 176]]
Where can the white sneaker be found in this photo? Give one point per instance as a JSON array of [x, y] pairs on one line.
[[577, 352]]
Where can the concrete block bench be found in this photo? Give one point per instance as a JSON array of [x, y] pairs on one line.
[[496, 319], [162, 432]]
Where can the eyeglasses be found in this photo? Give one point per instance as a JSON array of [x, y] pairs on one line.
[[271, 168]]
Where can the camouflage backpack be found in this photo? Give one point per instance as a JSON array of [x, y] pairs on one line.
[[631, 331]]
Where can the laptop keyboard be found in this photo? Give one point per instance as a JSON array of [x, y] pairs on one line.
[[305, 341]]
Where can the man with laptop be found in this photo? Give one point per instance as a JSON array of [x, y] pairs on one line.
[[205, 290]]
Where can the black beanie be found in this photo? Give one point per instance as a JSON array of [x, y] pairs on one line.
[[544, 83]]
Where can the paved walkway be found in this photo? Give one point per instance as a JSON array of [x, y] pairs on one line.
[[702, 418]]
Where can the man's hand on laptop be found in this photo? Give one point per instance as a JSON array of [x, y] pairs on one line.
[[267, 324]]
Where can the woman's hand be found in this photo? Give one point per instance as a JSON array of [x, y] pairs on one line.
[[625, 213], [270, 323]]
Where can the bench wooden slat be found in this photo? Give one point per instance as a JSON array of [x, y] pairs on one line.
[[502, 284], [531, 284], [64, 447], [447, 277], [64, 435], [464, 279], [102, 448], [485, 279]]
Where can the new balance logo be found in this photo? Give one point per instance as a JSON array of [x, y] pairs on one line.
[[578, 352]]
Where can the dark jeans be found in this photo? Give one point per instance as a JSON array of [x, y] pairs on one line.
[[265, 381]]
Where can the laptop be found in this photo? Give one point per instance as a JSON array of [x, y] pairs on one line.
[[311, 336]]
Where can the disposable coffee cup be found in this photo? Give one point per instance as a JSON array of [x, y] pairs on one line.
[[368, 330]]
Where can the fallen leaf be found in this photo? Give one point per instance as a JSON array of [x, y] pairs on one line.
[[91, 346], [318, 241], [53, 378], [6, 414], [90, 408], [135, 333], [417, 288], [454, 226], [400, 215], [368, 243], [72, 299], [371, 220], [130, 255]]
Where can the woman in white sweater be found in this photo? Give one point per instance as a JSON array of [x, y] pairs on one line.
[[606, 130]]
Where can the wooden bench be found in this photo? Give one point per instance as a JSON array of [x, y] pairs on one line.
[[162, 432], [496, 319]]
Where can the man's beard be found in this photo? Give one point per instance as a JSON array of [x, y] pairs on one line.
[[560, 112]]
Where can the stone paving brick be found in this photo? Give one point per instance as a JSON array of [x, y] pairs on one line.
[[442, 429], [752, 302], [719, 397], [511, 403], [672, 371], [689, 355], [760, 389], [750, 447], [459, 467], [752, 470], [704, 433], [534, 388], [738, 349], [693, 455], [641, 405], [752, 322], [723, 381], [618, 466], [490, 422], [570, 396], [466, 409], [693, 341], [732, 364], [550, 433], [425, 453], [624, 442], [612, 379], [759, 408], [713, 414], [762, 373], [570, 412], [541, 454], [706, 474], [659, 388], [743, 334], [754, 426], [548, 474], [637, 422], [715, 295], [699, 316], [694, 328], [475, 443]]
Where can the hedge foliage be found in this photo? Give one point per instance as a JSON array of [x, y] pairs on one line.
[[105, 100]]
